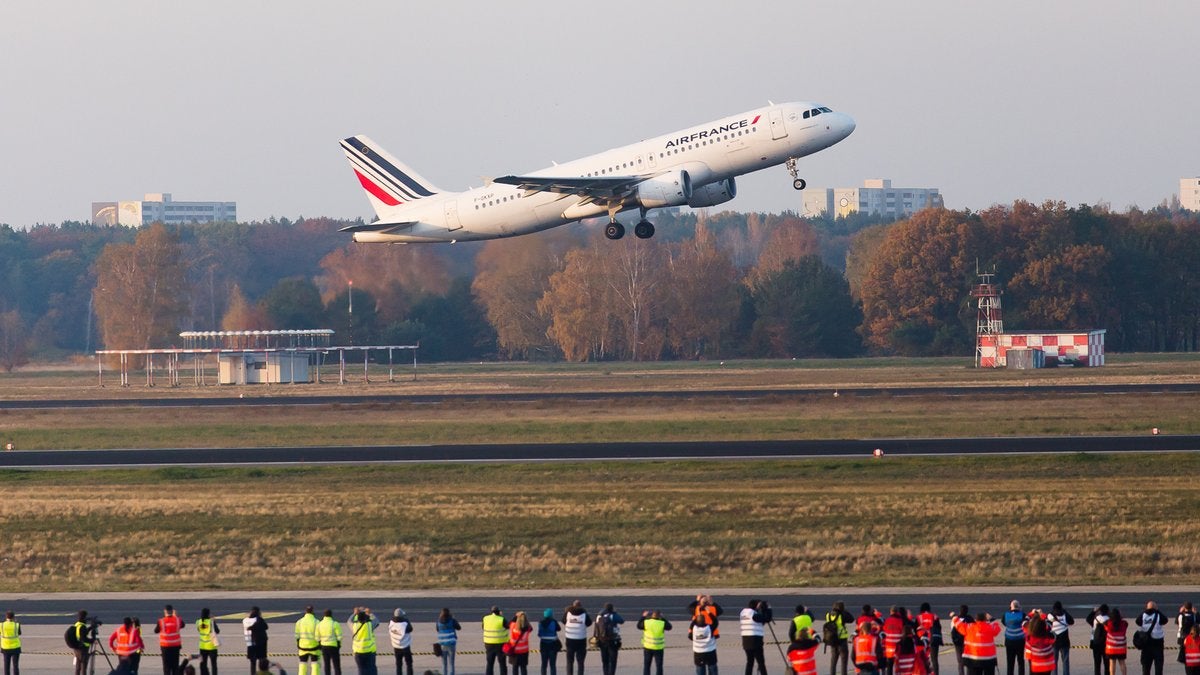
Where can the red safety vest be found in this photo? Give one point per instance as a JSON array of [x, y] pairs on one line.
[[123, 642], [893, 630], [926, 620], [1041, 654], [1114, 638], [804, 661], [865, 645], [168, 631], [1191, 652], [519, 639], [979, 641]]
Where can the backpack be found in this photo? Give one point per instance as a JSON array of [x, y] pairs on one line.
[[829, 632], [72, 638], [602, 629]]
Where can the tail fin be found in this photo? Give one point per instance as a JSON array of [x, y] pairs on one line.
[[388, 182]]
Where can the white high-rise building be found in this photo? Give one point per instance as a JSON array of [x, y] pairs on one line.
[[160, 208], [1189, 193], [876, 197]]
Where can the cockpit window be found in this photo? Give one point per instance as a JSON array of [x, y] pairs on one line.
[[824, 109], [815, 112], [807, 113]]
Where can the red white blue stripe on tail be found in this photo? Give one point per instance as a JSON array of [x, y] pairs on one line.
[[388, 182]]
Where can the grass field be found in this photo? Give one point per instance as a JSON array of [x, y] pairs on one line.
[[911, 521]]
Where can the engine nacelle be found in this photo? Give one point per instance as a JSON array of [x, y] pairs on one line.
[[713, 194], [669, 189]]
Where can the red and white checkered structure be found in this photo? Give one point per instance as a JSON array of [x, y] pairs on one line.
[[1081, 349]]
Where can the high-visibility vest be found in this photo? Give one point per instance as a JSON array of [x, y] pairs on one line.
[[1041, 653], [837, 618], [204, 628], [866, 649], [654, 635], [709, 611], [306, 633], [804, 660], [704, 639], [447, 636], [519, 639], [10, 634], [125, 642], [800, 622], [750, 627], [168, 631], [905, 663], [329, 632], [893, 630], [575, 626], [979, 639], [364, 636], [927, 620], [83, 635], [493, 630], [1191, 652], [1114, 638]]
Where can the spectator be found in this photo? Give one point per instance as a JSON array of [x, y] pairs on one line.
[[1115, 631], [979, 644], [575, 624], [254, 629], [608, 638], [400, 634], [548, 644], [1060, 624], [1014, 638], [838, 637], [930, 626], [447, 631], [362, 640], [1191, 651], [702, 633], [1097, 619], [752, 617], [1151, 620], [957, 637], [519, 630], [654, 640], [801, 654]]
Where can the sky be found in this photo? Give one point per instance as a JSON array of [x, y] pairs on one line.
[[245, 100]]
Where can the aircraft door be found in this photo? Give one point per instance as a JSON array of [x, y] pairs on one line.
[[651, 160], [452, 221], [778, 130]]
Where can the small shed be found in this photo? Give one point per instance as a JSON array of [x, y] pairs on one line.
[[1025, 358], [1082, 348], [264, 368]]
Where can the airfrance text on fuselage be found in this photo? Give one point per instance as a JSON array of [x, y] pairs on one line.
[[700, 135]]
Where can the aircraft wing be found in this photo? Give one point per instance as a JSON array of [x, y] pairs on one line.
[[595, 188], [385, 228]]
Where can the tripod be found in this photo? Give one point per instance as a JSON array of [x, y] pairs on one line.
[[97, 648]]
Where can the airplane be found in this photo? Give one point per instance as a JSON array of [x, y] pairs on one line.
[[693, 167]]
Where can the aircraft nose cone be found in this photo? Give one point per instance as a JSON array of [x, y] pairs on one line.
[[848, 125]]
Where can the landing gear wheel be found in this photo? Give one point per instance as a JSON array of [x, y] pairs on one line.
[[643, 230], [799, 184], [614, 230], [797, 181]]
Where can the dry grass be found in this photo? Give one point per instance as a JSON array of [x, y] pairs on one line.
[[918, 521]]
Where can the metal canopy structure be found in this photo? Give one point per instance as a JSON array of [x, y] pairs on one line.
[[200, 344]]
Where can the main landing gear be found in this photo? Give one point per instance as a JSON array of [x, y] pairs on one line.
[[797, 181], [643, 230]]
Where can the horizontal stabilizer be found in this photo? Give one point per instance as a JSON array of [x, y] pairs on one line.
[[385, 228]]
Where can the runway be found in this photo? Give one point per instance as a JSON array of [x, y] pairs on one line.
[[578, 452], [282, 395]]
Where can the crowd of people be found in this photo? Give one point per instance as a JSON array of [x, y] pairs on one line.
[[897, 643]]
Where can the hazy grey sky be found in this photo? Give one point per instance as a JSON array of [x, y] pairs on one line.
[[246, 100]]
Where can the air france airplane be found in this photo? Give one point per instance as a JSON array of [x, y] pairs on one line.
[[694, 167]]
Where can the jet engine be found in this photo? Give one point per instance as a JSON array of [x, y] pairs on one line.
[[669, 189], [713, 194]]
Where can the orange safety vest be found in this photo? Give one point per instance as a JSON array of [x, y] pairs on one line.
[[979, 641], [905, 664], [804, 661], [865, 649], [1191, 652], [124, 644], [711, 612], [1114, 638], [168, 631], [519, 639], [1041, 654]]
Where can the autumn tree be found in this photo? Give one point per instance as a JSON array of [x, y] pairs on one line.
[[511, 277], [294, 304], [790, 240], [700, 298], [392, 275], [916, 290], [140, 295], [14, 341], [241, 314], [864, 245], [578, 305]]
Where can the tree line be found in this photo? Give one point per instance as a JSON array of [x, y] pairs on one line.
[[719, 285]]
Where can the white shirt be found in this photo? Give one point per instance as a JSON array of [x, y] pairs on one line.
[[703, 640]]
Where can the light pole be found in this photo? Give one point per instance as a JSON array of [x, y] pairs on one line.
[[350, 325]]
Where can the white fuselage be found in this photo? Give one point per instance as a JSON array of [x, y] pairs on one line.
[[709, 153]]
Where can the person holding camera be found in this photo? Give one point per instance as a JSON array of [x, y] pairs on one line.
[[208, 631], [362, 630], [254, 629], [654, 640], [126, 642], [752, 618], [10, 644], [80, 638], [169, 641], [329, 634], [308, 646]]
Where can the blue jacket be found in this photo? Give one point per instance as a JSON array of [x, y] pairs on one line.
[[1014, 620]]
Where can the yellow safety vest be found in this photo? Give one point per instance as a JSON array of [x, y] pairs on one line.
[[493, 630], [364, 637], [654, 634], [329, 632], [204, 628], [802, 621], [10, 635], [306, 633]]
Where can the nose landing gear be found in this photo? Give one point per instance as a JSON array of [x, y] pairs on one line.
[[797, 181]]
